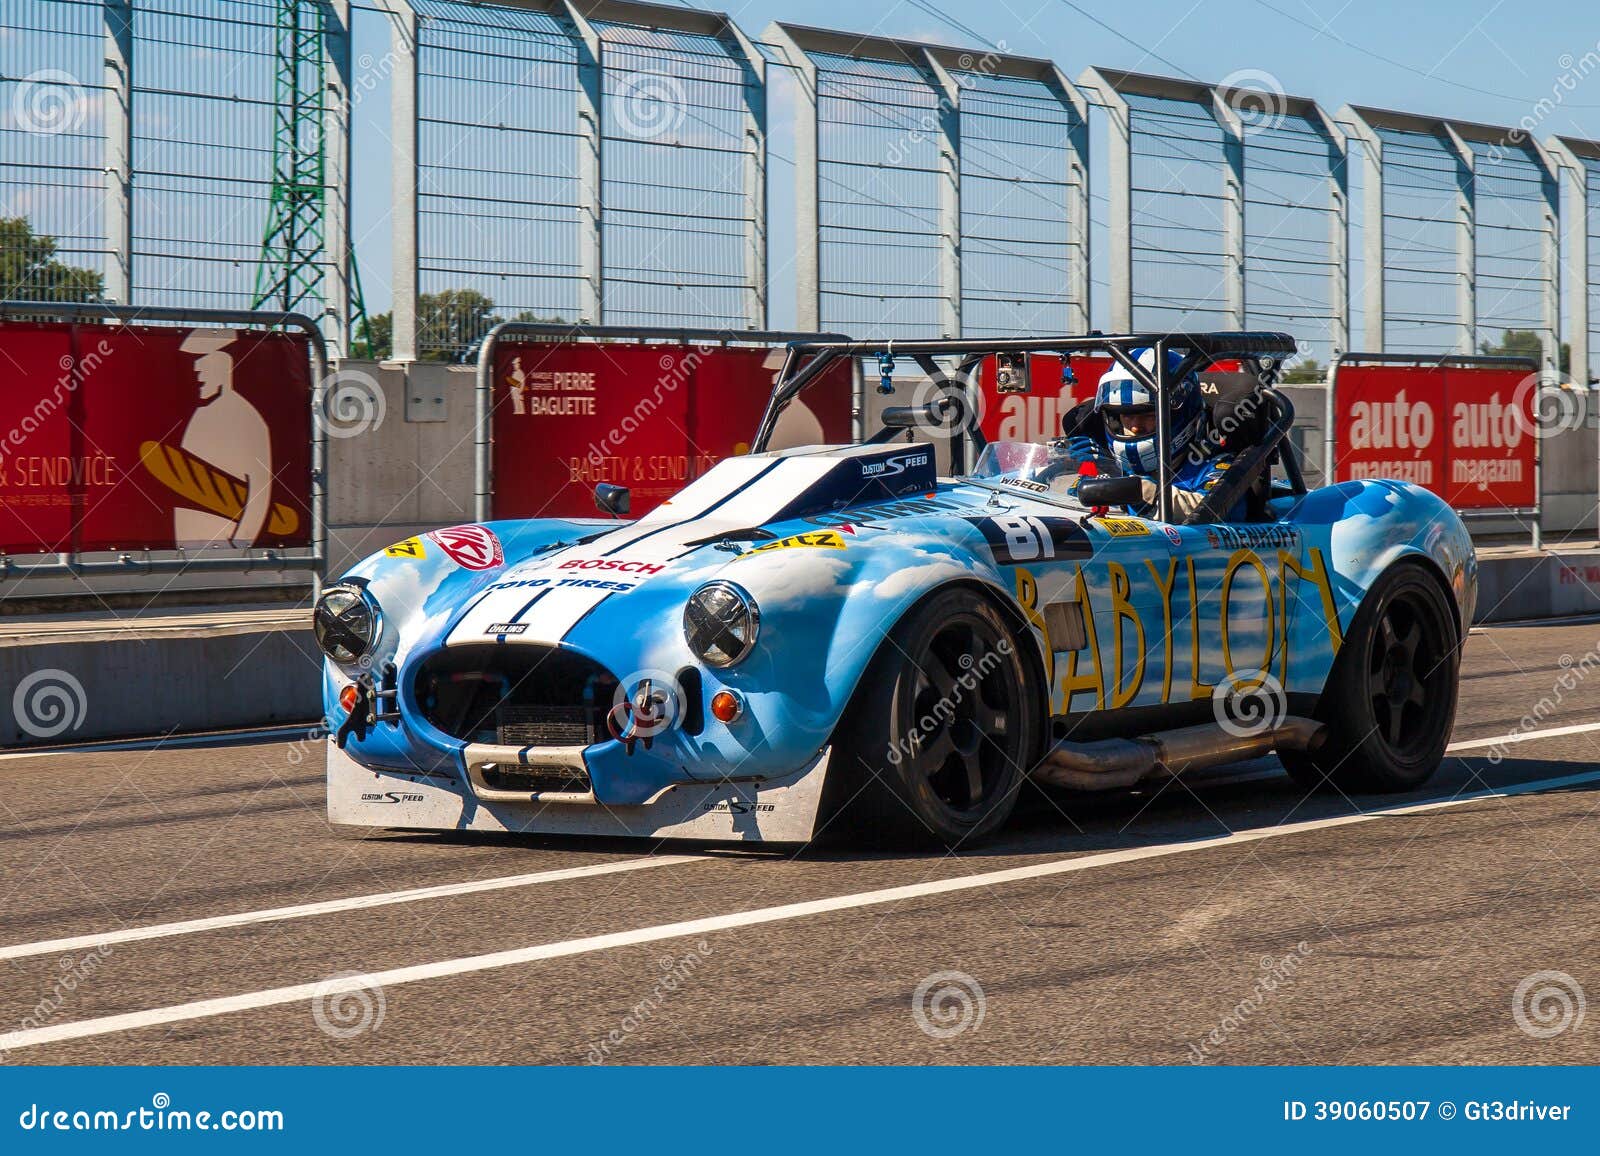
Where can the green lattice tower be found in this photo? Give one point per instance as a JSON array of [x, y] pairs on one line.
[[293, 265]]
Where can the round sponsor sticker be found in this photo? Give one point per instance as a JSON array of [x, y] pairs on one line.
[[470, 547], [1172, 535]]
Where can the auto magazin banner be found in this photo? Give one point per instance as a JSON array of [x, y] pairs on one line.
[[1467, 433], [650, 417], [137, 437]]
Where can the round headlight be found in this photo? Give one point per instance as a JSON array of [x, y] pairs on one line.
[[346, 622], [721, 622]]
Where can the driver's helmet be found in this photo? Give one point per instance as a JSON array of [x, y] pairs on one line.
[[1128, 409]]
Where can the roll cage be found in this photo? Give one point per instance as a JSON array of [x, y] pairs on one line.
[[1261, 354]]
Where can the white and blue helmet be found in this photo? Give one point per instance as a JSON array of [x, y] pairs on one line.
[[1128, 408]]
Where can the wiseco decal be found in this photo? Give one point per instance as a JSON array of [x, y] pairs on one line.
[[470, 547], [821, 539], [620, 565]]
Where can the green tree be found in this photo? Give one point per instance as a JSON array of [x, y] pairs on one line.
[[1304, 373], [29, 270], [1526, 343], [447, 322]]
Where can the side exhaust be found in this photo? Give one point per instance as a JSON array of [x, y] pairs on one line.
[[1109, 764]]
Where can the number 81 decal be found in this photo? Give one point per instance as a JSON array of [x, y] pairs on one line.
[[1033, 539]]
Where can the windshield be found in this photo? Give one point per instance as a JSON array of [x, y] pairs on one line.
[[1046, 470]]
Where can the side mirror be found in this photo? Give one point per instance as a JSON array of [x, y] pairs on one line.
[[935, 414], [1123, 491], [613, 500]]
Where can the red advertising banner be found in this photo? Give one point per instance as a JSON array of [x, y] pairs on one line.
[[135, 437], [649, 417], [1464, 432]]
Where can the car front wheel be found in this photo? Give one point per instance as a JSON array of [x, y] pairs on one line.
[[937, 740]]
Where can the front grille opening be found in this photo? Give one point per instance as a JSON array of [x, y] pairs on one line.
[[517, 696], [558, 780]]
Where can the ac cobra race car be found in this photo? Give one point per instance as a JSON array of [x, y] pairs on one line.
[[836, 639]]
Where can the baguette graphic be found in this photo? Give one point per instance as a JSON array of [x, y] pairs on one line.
[[207, 488]]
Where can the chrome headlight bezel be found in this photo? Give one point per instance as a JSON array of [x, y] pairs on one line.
[[334, 610], [719, 612]]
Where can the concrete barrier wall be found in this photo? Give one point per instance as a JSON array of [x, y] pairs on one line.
[[408, 468]]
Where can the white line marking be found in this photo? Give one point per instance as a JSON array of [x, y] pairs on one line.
[[1521, 737], [273, 997], [334, 906], [216, 739]]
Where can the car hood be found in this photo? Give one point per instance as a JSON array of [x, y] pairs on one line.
[[640, 569]]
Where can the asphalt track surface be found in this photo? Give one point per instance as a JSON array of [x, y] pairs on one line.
[[1230, 918]]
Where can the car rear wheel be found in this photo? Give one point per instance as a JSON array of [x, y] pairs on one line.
[[937, 740], [1390, 702]]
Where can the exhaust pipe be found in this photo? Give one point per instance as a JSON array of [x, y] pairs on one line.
[[1109, 764]]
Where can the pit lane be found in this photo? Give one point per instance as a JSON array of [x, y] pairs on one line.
[[1130, 928]]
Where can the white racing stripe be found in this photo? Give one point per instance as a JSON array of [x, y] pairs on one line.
[[274, 997], [1521, 737], [335, 906]]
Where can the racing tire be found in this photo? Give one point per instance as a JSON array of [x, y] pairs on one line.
[[940, 734], [1390, 700]]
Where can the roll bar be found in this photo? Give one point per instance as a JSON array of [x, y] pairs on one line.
[[807, 360]]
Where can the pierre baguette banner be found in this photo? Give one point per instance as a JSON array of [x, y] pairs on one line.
[[650, 417], [136, 437], [1467, 433]]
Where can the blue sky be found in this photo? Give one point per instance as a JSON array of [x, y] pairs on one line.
[[1490, 61]]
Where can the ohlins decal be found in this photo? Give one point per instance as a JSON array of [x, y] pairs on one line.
[[1121, 644]]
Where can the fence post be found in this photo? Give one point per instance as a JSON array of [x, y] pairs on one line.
[[1234, 209], [1467, 244], [591, 161], [1372, 229], [1119, 197], [1078, 203], [754, 67], [403, 33], [336, 145], [1575, 164], [949, 94], [807, 237], [1338, 226], [119, 150]]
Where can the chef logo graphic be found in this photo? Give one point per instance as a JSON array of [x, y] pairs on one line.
[[221, 468]]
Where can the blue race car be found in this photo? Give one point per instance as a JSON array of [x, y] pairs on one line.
[[835, 639]]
